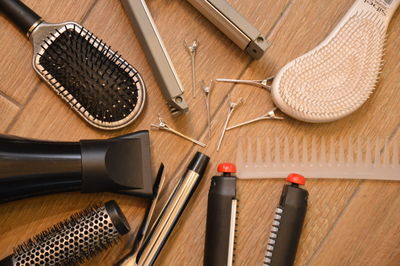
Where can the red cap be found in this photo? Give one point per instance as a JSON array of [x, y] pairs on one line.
[[226, 168], [296, 179]]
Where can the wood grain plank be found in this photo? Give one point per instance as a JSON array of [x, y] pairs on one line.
[[8, 111], [17, 76], [46, 117]]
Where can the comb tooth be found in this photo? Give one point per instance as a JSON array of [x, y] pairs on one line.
[[304, 152], [331, 158], [277, 151], [368, 153], [323, 152], [286, 151], [258, 152], [359, 152], [249, 152], [268, 151], [313, 150], [341, 152], [239, 153], [395, 158], [377, 159], [350, 152], [386, 153], [296, 151]]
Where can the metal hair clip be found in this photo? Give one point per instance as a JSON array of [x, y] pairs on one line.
[[163, 126], [192, 51], [269, 115], [232, 107], [264, 83], [207, 92]]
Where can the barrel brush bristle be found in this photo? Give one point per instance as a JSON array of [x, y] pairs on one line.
[[73, 241]]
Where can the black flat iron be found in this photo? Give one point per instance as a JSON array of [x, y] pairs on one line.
[[34, 167]]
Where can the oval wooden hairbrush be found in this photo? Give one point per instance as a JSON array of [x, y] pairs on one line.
[[94, 80]]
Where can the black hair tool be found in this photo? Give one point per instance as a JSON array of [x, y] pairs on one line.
[[287, 223], [75, 240], [95, 81], [221, 218], [150, 240], [32, 167]]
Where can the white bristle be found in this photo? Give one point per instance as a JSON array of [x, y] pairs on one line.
[[338, 76], [353, 158]]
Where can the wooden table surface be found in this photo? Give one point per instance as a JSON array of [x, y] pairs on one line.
[[348, 222]]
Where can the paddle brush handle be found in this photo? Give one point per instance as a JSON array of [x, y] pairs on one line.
[[21, 15]]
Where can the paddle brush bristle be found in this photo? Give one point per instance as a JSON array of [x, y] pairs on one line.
[[335, 78], [101, 86]]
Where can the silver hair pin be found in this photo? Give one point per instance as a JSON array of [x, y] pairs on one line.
[[192, 51], [232, 107], [269, 115], [264, 83], [207, 92], [163, 126]]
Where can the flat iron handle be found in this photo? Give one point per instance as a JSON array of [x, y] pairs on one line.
[[21, 15]]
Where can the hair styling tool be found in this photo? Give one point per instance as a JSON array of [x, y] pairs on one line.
[[147, 253], [192, 49], [73, 241], [146, 30], [335, 78], [33, 167], [233, 25], [355, 158], [287, 224], [94, 80], [232, 108], [267, 116], [162, 125], [221, 218]]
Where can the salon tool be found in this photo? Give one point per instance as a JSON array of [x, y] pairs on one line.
[[152, 44], [104, 89], [233, 25], [232, 107], [287, 224], [207, 92], [148, 251], [319, 157], [269, 115], [192, 49], [163, 126], [335, 78], [75, 240], [221, 218], [33, 167]]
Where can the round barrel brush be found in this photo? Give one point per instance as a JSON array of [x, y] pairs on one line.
[[73, 241], [94, 80]]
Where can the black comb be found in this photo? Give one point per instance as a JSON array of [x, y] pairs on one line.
[[95, 80]]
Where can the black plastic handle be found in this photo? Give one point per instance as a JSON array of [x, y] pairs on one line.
[[219, 211], [32, 167], [21, 15]]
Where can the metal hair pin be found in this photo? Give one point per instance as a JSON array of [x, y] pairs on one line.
[[269, 115], [264, 83], [207, 92], [232, 107], [192, 51], [163, 126]]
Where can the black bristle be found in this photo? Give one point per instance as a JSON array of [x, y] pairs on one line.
[[95, 77], [73, 241]]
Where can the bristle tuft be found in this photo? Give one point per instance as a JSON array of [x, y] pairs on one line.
[[72, 241]]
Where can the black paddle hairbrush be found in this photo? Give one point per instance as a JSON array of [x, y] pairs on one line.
[[96, 81], [73, 241]]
